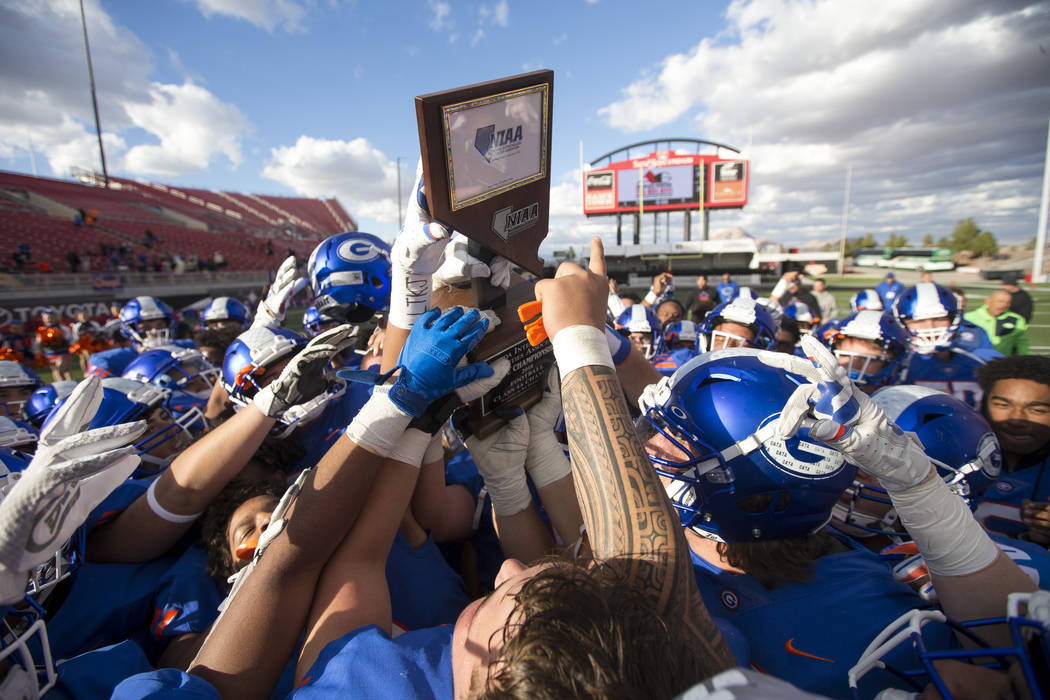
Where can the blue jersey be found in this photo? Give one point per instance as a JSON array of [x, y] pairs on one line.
[[95, 674], [956, 376], [888, 292], [1000, 509], [728, 291], [365, 663], [150, 603], [424, 590], [852, 594], [667, 362], [321, 433]]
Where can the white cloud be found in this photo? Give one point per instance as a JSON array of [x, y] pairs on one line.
[[927, 100], [501, 14], [48, 103], [192, 125], [359, 174], [441, 18], [266, 14]]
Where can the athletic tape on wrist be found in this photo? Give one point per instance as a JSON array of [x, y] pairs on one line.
[[162, 512], [379, 424], [409, 297], [581, 346], [945, 531], [619, 345], [411, 447], [650, 297]]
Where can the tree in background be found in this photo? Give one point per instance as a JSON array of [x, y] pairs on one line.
[[927, 240], [865, 241], [897, 240], [968, 236]]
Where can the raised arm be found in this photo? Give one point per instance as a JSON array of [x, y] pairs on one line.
[[625, 510], [158, 518]]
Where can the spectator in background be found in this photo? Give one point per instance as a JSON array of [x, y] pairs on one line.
[[701, 300], [1020, 300], [218, 260], [269, 247], [1006, 329], [829, 308], [797, 291], [74, 261], [728, 289], [889, 289]]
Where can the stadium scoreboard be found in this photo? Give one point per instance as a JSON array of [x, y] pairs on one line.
[[665, 181]]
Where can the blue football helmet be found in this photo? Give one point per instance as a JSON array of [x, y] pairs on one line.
[[732, 478], [246, 363], [314, 321], [640, 318], [125, 400], [744, 311], [39, 405], [17, 383], [350, 276], [927, 301], [875, 327], [680, 334], [957, 438], [148, 322], [865, 299], [1027, 618], [225, 312], [176, 368], [803, 315]]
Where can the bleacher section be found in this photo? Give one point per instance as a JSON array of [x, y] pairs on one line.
[[188, 221]]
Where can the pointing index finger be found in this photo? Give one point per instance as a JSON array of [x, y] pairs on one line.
[[597, 263]]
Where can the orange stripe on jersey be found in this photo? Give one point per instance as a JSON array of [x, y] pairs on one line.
[[790, 648], [303, 682], [159, 626]]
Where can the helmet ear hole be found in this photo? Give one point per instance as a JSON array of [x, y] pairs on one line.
[[756, 503], [783, 501]]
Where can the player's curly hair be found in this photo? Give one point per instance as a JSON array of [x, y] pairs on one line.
[[216, 520], [592, 632], [1032, 367]]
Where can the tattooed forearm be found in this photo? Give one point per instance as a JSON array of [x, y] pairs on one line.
[[624, 506]]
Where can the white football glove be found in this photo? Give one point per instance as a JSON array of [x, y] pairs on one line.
[[546, 461], [500, 459], [850, 422], [415, 256], [286, 284], [460, 267], [70, 474]]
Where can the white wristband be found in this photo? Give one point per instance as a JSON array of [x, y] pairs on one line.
[[580, 346], [945, 531], [379, 424], [650, 298], [409, 297], [162, 512], [411, 447]]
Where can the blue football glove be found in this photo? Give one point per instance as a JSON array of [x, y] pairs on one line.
[[431, 353]]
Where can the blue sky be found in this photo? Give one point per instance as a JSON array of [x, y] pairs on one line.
[[942, 108]]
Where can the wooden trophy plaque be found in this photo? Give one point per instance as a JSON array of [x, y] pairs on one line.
[[486, 165]]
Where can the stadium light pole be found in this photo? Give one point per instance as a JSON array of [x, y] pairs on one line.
[[1040, 236], [94, 99], [845, 220]]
